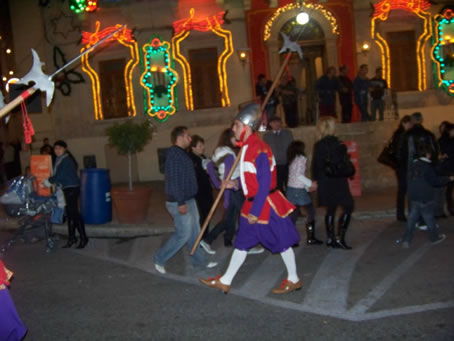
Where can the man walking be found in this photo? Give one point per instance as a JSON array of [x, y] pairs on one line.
[[265, 212], [180, 189]]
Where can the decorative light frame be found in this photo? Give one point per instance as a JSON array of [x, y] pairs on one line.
[[125, 38], [158, 46], [417, 7], [304, 6], [447, 18], [182, 29]]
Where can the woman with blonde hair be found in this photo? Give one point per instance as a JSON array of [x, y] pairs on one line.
[[331, 167]]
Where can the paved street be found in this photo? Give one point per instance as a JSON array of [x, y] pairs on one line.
[[110, 291]]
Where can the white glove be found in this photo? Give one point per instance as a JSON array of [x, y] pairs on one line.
[[46, 183], [205, 162]]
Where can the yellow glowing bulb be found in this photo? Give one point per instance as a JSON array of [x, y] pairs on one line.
[[447, 37], [4, 78], [163, 69], [243, 55], [302, 18], [11, 73], [8, 51], [366, 46]]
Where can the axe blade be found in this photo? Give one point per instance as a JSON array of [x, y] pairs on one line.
[[291, 46], [42, 81]]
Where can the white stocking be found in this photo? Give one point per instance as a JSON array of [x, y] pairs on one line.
[[288, 256], [236, 261]]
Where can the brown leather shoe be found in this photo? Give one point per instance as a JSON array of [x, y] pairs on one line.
[[287, 286], [215, 282]]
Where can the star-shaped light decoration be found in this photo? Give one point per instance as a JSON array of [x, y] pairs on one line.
[[64, 24]]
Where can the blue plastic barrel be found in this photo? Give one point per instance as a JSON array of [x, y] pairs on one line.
[[95, 201]]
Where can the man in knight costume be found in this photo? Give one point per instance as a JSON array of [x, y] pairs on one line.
[[265, 213]]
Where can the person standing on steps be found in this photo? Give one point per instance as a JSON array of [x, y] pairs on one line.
[[265, 212], [180, 190], [299, 186], [65, 175], [279, 139], [331, 154], [345, 94], [361, 87]]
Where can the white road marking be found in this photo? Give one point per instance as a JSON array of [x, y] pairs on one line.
[[326, 296]]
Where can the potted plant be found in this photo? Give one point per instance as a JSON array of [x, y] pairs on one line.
[[130, 203]]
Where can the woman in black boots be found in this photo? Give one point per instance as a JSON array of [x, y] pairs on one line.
[[65, 175], [331, 167]]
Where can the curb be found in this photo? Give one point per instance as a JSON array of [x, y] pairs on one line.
[[102, 231], [116, 230]]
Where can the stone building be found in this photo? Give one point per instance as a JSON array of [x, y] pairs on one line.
[[201, 59]]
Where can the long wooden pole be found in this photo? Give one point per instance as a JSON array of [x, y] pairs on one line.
[[30, 91], [15, 102], [237, 160]]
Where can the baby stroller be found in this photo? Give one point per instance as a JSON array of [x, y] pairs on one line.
[[36, 212]]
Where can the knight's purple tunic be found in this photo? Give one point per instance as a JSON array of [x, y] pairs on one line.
[[280, 233], [11, 327]]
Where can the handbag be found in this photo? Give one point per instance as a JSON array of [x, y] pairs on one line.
[[388, 157]]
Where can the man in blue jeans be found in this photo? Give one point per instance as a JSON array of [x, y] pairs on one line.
[[422, 183], [180, 189]]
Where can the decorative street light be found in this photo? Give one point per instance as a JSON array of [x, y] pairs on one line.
[[302, 18]]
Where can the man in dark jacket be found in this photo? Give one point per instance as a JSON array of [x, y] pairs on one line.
[[180, 189], [345, 94], [422, 183], [413, 139]]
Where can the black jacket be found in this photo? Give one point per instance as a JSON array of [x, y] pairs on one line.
[[423, 180], [416, 136], [331, 190]]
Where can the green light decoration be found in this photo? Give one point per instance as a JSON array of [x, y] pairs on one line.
[[77, 6], [443, 50], [158, 80]]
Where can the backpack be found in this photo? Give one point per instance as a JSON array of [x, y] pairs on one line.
[[338, 163]]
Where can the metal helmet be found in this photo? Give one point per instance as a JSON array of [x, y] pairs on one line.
[[250, 115]]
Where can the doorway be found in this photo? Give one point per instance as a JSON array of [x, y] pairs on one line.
[[306, 72]]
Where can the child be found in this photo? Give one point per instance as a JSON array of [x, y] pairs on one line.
[[422, 183], [11, 327], [298, 187]]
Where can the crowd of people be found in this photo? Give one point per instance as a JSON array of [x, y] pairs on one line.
[[368, 94], [263, 194], [424, 168], [269, 189]]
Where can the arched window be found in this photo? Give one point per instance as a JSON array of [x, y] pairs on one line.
[[310, 31]]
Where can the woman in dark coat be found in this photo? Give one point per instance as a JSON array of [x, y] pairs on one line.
[[65, 175], [333, 191], [401, 167]]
